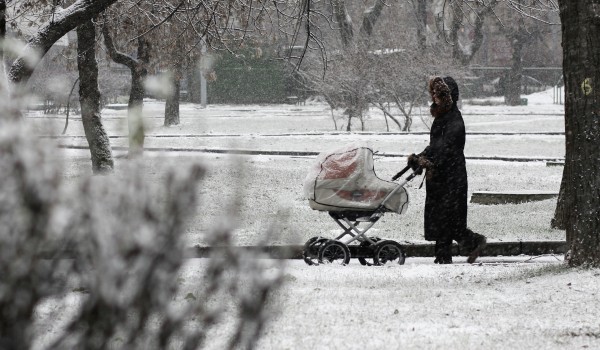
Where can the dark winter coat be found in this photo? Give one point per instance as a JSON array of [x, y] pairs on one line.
[[446, 184]]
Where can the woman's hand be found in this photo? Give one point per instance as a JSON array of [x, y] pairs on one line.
[[413, 161], [426, 164]]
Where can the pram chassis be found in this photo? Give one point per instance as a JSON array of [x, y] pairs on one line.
[[318, 250]]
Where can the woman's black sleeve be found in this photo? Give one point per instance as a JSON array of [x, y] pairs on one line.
[[450, 147]]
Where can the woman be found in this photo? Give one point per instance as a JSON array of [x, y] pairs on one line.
[[446, 176]]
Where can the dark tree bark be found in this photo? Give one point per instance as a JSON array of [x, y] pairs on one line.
[[512, 86], [80, 12], [89, 98], [139, 71], [194, 85], [2, 23], [421, 9], [465, 58], [564, 205], [344, 21], [370, 17], [172, 103], [2, 36], [580, 22]]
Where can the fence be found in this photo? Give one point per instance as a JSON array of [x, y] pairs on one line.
[[490, 80], [557, 95]]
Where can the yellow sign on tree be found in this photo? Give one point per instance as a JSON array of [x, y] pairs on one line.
[[586, 86]]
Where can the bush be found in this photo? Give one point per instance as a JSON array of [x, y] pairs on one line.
[[110, 251]]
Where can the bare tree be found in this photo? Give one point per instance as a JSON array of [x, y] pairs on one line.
[[523, 31], [387, 71], [176, 74], [89, 99], [138, 66], [464, 15], [58, 26]]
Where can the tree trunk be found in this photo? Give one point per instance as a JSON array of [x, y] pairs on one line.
[[2, 26], [564, 204], [172, 104], [3, 82], [421, 24], [457, 24], [350, 113], [581, 56], [139, 72], [344, 21], [89, 98], [135, 121], [194, 85], [512, 88], [370, 17]]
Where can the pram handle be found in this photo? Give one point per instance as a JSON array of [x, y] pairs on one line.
[[397, 176], [416, 172]]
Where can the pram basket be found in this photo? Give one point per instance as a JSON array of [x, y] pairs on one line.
[[345, 185]]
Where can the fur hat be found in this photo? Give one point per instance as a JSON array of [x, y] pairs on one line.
[[453, 88], [440, 96]]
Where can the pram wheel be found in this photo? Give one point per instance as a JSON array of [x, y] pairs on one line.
[[334, 251], [311, 250], [365, 243], [388, 251]]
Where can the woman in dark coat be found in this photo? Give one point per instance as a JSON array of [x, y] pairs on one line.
[[446, 176]]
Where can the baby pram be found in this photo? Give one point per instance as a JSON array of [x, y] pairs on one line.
[[344, 184]]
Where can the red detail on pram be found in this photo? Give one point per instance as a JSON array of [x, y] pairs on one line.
[[362, 195], [339, 166]]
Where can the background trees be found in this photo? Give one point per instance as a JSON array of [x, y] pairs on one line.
[[354, 87], [383, 61]]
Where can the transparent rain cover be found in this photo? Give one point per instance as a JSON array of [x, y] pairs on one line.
[[345, 179]]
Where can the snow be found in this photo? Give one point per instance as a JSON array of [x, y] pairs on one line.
[[504, 302], [271, 182]]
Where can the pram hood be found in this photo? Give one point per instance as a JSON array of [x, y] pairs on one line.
[[344, 179]]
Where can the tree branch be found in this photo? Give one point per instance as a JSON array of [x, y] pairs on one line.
[[370, 17], [344, 21], [114, 54], [64, 21]]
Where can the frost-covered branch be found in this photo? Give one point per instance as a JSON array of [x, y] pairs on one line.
[[62, 22], [125, 284]]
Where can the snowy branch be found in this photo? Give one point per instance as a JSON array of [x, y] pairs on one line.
[[62, 23]]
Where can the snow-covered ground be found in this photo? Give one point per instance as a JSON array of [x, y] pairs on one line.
[[504, 303], [271, 185]]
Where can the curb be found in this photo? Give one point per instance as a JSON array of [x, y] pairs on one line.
[[411, 249], [516, 248], [492, 198], [298, 153]]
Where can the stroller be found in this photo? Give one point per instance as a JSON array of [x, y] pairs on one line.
[[344, 184]]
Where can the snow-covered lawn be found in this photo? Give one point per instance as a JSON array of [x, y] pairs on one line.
[[425, 306], [271, 185], [501, 303], [504, 303]]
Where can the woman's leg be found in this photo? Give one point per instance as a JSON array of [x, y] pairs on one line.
[[443, 251], [472, 243]]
